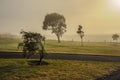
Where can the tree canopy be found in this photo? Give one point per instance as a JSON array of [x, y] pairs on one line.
[[115, 36], [32, 44], [56, 23]]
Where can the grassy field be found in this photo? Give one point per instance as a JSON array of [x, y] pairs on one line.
[[9, 44], [18, 69], [97, 48]]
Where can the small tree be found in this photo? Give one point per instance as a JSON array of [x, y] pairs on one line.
[[32, 44], [115, 37], [81, 33], [56, 23]]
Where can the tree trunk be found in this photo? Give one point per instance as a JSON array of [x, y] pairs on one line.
[[81, 41], [41, 57], [58, 38]]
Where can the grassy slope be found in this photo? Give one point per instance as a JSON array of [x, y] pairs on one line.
[[99, 48], [18, 69]]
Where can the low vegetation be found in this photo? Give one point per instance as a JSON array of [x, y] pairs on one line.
[[19, 69]]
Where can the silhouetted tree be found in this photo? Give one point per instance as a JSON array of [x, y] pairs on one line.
[[56, 23], [32, 44], [81, 33], [115, 37]]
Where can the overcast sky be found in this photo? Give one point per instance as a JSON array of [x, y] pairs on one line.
[[96, 16]]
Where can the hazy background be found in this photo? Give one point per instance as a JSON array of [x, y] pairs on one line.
[[99, 18]]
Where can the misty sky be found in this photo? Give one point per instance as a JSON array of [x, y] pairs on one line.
[[96, 16]]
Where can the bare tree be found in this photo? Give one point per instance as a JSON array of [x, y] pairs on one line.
[[56, 23], [81, 33]]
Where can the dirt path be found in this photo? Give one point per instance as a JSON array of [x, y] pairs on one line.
[[65, 56]]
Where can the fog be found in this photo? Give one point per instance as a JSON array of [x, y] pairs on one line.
[[98, 17]]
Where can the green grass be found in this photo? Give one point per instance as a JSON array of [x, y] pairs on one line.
[[9, 44], [18, 69], [97, 48]]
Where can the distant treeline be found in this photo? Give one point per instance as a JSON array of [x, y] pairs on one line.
[[7, 35]]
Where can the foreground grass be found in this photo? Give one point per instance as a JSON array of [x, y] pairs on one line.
[[18, 69], [96, 48]]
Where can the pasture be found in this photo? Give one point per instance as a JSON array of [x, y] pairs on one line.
[[51, 46], [20, 69]]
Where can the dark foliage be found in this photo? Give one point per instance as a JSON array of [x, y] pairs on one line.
[[32, 44], [115, 36], [56, 23]]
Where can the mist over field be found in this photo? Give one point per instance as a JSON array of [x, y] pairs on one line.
[[96, 16], [8, 35], [59, 39], [87, 38], [72, 37]]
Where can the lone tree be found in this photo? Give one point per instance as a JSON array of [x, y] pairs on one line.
[[115, 37], [56, 23], [81, 33], [32, 44]]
